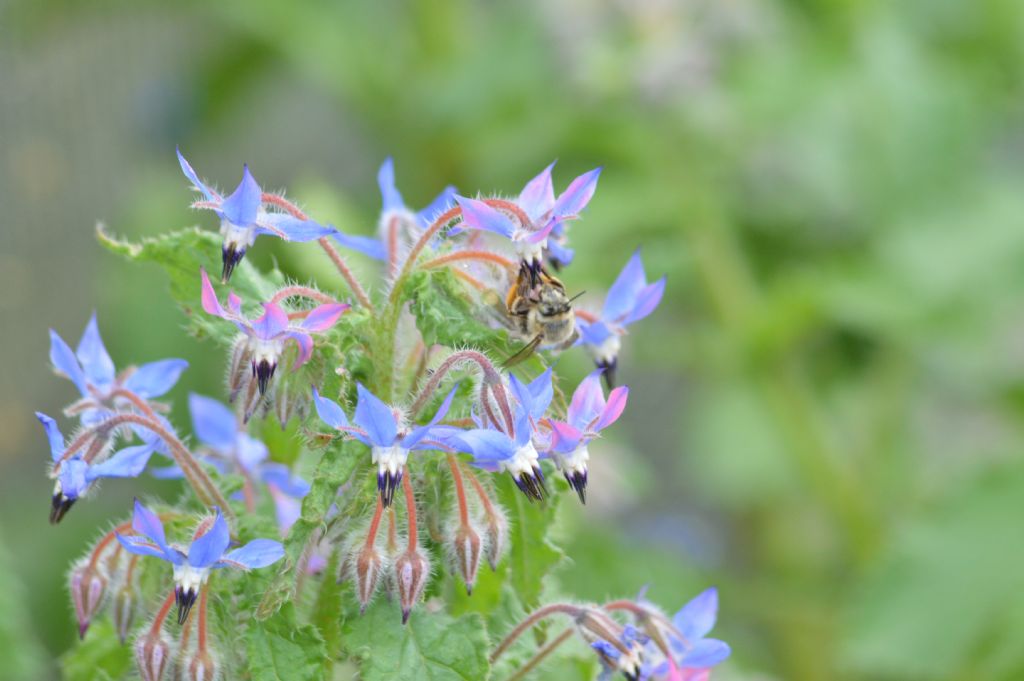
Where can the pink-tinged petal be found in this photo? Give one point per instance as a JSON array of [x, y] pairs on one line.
[[613, 408], [478, 215], [209, 297], [646, 301], [540, 235], [587, 400], [623, 293], [538, 196], [272, 323], [577, 195], [241, 207], [200, 186], [324, 317], [565, 437], [65, 363], [234, 303], [305, 342]]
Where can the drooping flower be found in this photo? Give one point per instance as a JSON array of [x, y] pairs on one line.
[[614, 659], [92, 371], [538, 204], [243, 217], [385, 429], [629, 300], [207, 551], [587, 416], [693, 654], [75, 475], [267, 334]]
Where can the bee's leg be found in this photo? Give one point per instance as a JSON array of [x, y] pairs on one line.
[[568, 342], [523, 353]]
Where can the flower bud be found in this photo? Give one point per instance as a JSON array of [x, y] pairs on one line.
[[368, 566], [496, 535], [466, 546], [123, 611], [411, 572], [88, 588], [238, 367], [202, 667], [152, 652]]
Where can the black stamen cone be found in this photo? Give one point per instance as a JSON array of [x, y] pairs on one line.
[[230, 257], [532, 484], [578, 481], [387, 483], [59, 507], [535, 266], [263, 371], [609, 371], [185, 599]]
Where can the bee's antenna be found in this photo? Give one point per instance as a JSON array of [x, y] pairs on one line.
[[577, 296]]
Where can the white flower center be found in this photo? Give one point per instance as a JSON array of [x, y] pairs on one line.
[[531, 252], [575, 461], [190, 578], [523, 461], [265, 350], [236, 235], [608, 350], [389, 459]]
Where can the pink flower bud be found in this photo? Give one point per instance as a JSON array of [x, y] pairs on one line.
[[123, 611], [88, 588], [151, 655], [202, 667], [465, 546], [496, 534], [412, 569], [368, 566]]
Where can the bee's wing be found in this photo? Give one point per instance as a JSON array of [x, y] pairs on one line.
[[523, 354]]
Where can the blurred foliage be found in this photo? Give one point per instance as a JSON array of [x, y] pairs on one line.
[[825, 414]]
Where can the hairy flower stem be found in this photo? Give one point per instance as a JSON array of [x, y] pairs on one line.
[[485, 499], [207, 492], [371, 535], [481, 256], [392, 246], [573, 611], [512, 208], [104, 542], [302, 292], [644, 615], [202, 617], [161, 615], [487, 370], [539, 656], [410, 507], [329, 249], [460, 490], [139, 403]]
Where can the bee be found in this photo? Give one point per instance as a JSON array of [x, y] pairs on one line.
[[539, 314]]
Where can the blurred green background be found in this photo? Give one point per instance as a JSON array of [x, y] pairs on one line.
[[826, 411]]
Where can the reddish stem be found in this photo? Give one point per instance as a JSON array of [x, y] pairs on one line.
[[161, 615], [510, 207], [105, 541], [371, 536], [536, 616], [442, 220], [470, 279], [137, 401], [483, 256], [490, 374], [302, 292], [541, 654], [410, 504], [392, 246], [202, 617], [485, 499], [460, 491]]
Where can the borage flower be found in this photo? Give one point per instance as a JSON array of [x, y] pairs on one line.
[[541, 210], [629, 300], [206, 552], [267, 335], [614, 659], [75, 475], [385, 429], [694, 653], [587, 416], [243, 217], [92, 371]]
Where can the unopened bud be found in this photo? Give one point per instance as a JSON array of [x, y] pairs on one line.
[[151, 655], [202, 667], [88, 588], [123, 611], [466, 547], [496, 534], [238, 367], [412, 569], [368, 566]]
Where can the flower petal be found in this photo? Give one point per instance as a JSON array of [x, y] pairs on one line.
[[538, 196], [53, 434], [329, 411], [127, 463], [209, 298], [256, 554], [148, 524], [560, 253], [155, 378], [392, 199], [486, 445], [566, 438], [271, 323], [186, 168], [695, 619], [577, 195], [208, 548], [646, 301], [305, 342], [705, 653], [141, 547], [324, 317], [250, 452], [241, 207], [623, 293], [291, 228], [279, 476], [613, 408], [440, 204], [376, 418], [93, 356], [418, 434], [478, 215], [366, 245], [215, 425], [542, 391], [65, 363], [587, 401]]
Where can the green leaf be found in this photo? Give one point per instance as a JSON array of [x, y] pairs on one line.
[[445, 315], [431, 647], [181, 254], [279, 649], [100, 657], [328, 610], [334, 469], [531, 555]]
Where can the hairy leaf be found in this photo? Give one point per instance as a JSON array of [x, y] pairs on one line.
[[280, 649]]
